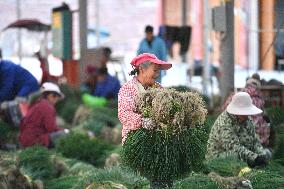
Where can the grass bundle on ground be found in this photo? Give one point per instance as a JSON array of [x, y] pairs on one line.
[[225, 166], [65, 182], [263, 179], [196, 181], [81, 147], [101, 117], [275, 167], [36, 160], [120, 175], [177, 145]]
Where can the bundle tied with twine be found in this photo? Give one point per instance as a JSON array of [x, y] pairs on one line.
[[177, 143]]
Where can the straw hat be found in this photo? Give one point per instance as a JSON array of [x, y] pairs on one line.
[[241, 104]]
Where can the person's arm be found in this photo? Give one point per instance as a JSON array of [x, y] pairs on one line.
[[49, 119], [7, 82], [231, 141], [258, 148], [129, 119]]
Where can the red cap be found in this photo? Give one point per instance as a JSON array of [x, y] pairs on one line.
[[152, 58]]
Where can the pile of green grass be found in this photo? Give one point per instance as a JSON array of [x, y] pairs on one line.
[[196, 181], [36, 162], [81, 147], [225, 166]]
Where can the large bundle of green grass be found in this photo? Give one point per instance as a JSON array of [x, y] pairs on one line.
[[225, 166], [177, 145], [36, 162], [81, 147]]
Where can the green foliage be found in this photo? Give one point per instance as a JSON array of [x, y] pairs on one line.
[[7, 132], [66, 182], [226, 166], [7, 158], [196, 181], [275, 114], [81, 147], [279, 149], [209, 121], [275, 167], [164, 156], [36, 160], [262, 179], [68, 106], [100, 117]]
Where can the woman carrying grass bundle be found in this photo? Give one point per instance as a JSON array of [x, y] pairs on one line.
[[162, 139], [146, 68]]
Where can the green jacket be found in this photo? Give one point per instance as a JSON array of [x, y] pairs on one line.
[[229, 137]]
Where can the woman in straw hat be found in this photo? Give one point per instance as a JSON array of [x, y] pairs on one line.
[[262, 126], [234, 134]]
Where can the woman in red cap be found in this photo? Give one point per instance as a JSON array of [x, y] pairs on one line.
[[146, 69]]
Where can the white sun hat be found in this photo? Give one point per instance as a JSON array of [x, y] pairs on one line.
[[51, 87], [241, 104]]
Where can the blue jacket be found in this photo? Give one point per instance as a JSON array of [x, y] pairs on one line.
[[158, 48], [108, 88], [15, 81]]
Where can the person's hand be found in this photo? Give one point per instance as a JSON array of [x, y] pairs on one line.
[[4, 105], [148, 123], [268, 154], [260, 161]]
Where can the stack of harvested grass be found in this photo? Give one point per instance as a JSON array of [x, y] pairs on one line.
[[231, 171], [81, 147], [196, 181], [177, 145], [226, 166], [36, 162]]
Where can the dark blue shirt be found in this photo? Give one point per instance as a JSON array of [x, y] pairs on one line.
[[107, 88], [15, 81]]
